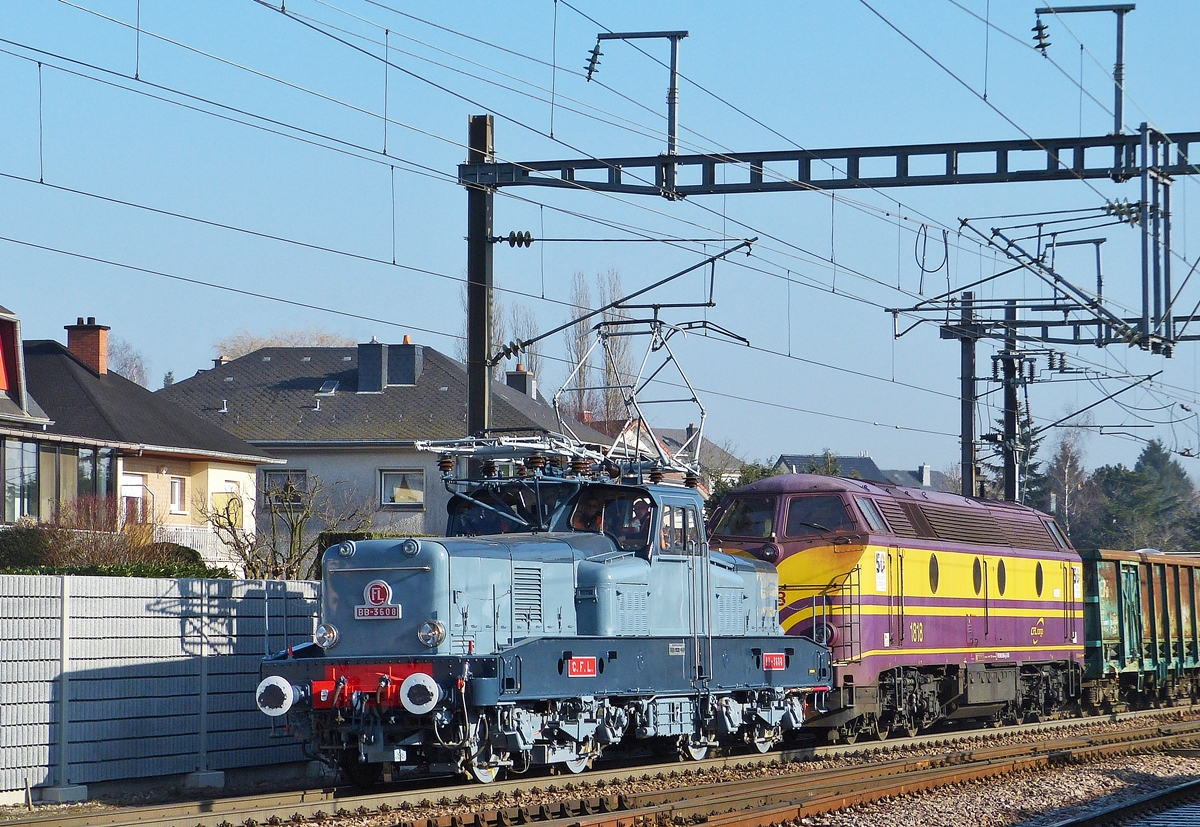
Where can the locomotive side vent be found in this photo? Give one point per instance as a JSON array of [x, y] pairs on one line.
[[964, 525], [632, 608], [527, 596], [1028, 534], [897, 519]]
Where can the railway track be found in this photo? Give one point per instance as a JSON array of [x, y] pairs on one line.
[[608, 798], [1168, 807]]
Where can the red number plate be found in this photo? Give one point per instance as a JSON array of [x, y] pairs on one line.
[[774, 661], [581, 667]]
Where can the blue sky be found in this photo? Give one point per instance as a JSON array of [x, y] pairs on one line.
[[311, 172]]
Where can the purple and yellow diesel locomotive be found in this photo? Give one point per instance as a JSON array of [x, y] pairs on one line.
[[935, 606]]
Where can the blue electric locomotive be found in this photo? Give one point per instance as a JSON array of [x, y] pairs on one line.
[[584, 615]]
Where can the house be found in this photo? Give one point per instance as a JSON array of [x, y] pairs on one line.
[[861, 467], [924, 477], [864, 468], [715, 462], [75, 433], [346, 419]]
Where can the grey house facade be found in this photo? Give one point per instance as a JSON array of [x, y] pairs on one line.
[[347, 418]]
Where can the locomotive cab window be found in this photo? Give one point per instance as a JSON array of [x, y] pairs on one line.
[[748, 517], [680, 530], [810, 515], [623, 514]]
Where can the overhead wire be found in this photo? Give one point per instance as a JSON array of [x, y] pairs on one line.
[[876, 211], [362, 317], [447, 177]]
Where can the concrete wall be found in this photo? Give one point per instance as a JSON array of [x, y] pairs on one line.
[[138, 678]]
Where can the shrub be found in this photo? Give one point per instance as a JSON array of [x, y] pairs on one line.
[[24, 544]]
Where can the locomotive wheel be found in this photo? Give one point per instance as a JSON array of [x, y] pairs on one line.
[[359, 774], [583, 758], [692, 750], [482, 773], [764, 738], [880, 730]]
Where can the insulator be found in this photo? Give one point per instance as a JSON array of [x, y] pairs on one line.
[[593, 61], [1041, 40], [445, 463], [691, 480], [535, 461], [996, 368], [489, 468], [579, 467], [656, 475]]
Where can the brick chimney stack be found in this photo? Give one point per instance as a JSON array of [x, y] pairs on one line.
[[88, 342]]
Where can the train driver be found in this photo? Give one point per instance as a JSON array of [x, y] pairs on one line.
[[588, 513], [635, 533]]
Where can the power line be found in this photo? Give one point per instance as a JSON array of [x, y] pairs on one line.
[[431, 331]]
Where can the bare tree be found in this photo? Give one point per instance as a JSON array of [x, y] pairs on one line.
[[1067, 477], [523, 325], [243, 341], [226, 518], [579, 402], [499, 333], [126, 360], [289, 525], [618, 369]]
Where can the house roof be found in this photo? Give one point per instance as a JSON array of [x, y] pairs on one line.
[[938, 481], [111, 409], [270, 397], [711, 455], [864, 468], [17, 407]]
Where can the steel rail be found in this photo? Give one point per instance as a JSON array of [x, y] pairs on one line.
[[332, 800], [1131, 809]]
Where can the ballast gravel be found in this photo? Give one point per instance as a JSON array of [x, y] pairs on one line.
[[1028, 799], [1034, 798]]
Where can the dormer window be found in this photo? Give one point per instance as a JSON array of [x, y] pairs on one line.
[[328, 388]]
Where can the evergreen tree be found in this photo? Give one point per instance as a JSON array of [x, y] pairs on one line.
[[1150, 506]]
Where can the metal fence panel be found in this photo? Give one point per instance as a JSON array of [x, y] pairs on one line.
[[152, 676]]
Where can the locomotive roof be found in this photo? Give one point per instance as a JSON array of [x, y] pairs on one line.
[[798, 483]]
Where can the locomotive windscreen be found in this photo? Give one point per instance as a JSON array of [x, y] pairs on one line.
[[748, 517]]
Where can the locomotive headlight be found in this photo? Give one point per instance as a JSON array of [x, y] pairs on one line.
[[275, 696], [326, 636], [431, 633], [346, 548], [410, 547]]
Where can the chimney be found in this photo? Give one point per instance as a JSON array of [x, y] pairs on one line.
[[221, 360], [926, 475], [522, 381], [88, 342], [372, 367], [404, 363]]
